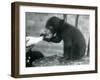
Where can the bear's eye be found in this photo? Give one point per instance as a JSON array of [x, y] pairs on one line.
[[50, 27]]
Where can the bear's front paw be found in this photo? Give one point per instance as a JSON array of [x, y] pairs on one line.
[[46, 39]]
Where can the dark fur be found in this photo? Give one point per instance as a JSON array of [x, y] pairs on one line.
[[74, 42], [32, 56]]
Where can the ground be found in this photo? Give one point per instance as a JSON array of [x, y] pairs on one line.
[[54, 61]]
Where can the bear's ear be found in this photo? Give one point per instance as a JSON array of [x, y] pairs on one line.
[[62, 22]]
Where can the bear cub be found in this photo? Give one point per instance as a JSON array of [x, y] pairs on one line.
[[74, 44]]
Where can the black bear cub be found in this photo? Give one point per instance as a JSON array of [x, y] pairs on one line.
[[74, 43]]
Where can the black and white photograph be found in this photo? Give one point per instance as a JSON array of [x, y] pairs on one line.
[[52, 39], [57, 39]]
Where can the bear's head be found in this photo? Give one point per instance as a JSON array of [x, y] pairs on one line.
[[52, 27], [54, 24]]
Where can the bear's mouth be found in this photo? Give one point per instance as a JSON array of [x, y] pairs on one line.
[[48, 36]]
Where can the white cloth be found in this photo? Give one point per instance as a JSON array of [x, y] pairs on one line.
[[30, 40]]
